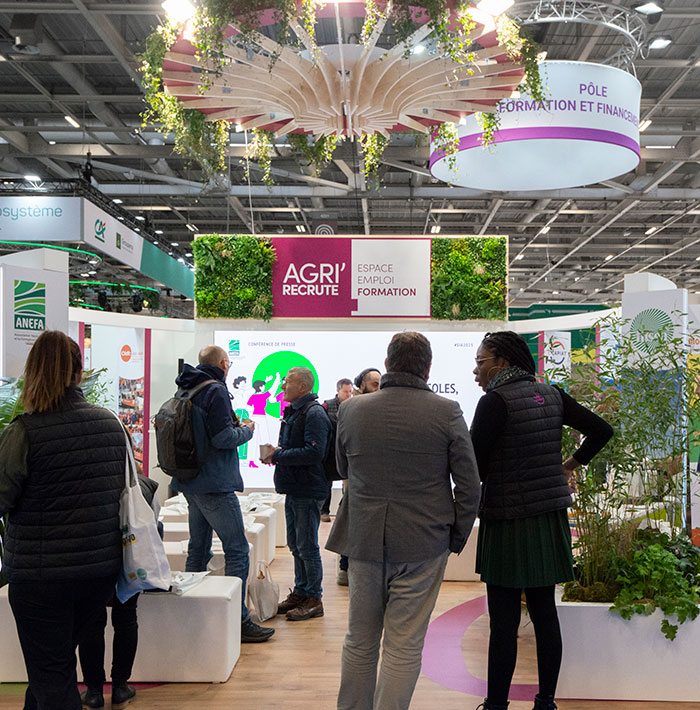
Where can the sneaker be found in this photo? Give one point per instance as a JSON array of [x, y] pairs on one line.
[[92, 698], [252, 633], [292, 601], [325, 518], [310, 609], [122, 695], [342, 578]]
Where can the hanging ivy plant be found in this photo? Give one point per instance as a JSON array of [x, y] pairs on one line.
[[490, 123], [373, 146], [443, 16], [233, 276], [260, 150], [196, 138], [519, 49], [372, 16], [318, 152], [446, 140]]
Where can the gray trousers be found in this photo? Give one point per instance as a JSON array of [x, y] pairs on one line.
[[398, 600]]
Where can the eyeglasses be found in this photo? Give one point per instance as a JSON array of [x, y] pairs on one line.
[[480, 361]]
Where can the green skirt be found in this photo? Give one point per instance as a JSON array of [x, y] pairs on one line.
[[525, 552]]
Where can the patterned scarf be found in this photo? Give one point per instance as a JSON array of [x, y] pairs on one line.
[[510, 374]]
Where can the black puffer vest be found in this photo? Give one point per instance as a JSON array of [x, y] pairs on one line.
[[65, 526], [332, 409], [525, 474]]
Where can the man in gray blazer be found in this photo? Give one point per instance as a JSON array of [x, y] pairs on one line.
[[398, 521]]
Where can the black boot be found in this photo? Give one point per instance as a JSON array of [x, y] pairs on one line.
[[92, 698], [486, 705], [544, 703], [122, 695]]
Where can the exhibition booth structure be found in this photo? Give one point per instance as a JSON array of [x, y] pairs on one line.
[[640, 357]]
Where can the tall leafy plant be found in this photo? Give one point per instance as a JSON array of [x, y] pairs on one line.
[[233, 276], [643, 387]]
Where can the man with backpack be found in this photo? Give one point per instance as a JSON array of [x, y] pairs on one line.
[[211, 494], [301, 476]]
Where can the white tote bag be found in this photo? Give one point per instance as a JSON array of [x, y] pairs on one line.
[[264, 592], [145, 564]]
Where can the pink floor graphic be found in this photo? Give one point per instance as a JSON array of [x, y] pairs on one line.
[[443, 662]]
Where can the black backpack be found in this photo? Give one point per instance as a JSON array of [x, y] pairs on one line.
[[329, 466], [177, 455]]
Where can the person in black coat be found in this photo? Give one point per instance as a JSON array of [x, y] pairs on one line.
[[61, 476], [91, 648], [524, 539]]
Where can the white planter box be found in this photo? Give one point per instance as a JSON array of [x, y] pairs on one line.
[[608, 658]]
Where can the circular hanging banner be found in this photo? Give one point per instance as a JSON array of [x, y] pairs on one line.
[[586, 130]]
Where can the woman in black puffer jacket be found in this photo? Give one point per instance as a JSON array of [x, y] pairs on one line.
[[61, 476], [524, 540]]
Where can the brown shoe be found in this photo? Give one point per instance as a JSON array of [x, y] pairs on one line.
[[310, 609], [291, 602]]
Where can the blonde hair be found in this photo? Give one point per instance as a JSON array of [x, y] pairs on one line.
[[53, 364]]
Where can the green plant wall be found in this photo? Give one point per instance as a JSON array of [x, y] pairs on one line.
[[233, 276], [469, 278]]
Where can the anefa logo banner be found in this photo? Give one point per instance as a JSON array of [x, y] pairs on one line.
[[30, 305], [34, 300], [341, 277]]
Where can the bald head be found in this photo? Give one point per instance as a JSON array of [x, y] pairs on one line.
[[213, 355], [298, 382]]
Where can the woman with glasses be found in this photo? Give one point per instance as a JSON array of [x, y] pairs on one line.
[[524, 542]]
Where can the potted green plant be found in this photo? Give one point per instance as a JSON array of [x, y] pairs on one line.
[[637, 572]]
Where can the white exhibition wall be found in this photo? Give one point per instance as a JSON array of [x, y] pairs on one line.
[[260, 359]]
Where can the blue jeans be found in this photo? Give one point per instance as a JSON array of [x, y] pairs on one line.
[[303, 516], [220, 512]]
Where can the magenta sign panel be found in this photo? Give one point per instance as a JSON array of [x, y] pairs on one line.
[[312, 278]]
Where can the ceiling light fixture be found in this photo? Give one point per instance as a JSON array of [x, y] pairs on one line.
[[52, 142], [608, 257], [520, 257], [178, 10], [644, 125], [191, 227], [188, 254], [72, 121], [159, 231], [435, 229], [117, 201], [648, 7], [651, 230], [174, 244], [660, 42], [300, 228], [32, 178], [419, 49], [545, 230]]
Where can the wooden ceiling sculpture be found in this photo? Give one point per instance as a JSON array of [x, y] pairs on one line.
[[344, 89]]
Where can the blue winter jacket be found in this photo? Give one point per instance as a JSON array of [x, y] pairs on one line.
[[217, 435], [299, 464]]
